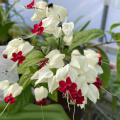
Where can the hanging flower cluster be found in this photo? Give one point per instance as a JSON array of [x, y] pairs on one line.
[[73, 72], [77, 80], [52, 20]]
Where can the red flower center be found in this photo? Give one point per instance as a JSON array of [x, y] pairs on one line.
[[38, 28], [30, 5], [18, 57], [42, 102], [43, 62], [70, 88], [98, 83], [9, 99], [5, 56]]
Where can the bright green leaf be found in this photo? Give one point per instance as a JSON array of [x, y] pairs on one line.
[[84, 37]]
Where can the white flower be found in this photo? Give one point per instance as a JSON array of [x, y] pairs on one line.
[[68, 32], [43, 75], [17, 45], [14, 89], [50, 25], [40, 93], [92, 56], [79, 61], [44, 10], [40, 11], [4, 84], [58, 12], [55, 59]]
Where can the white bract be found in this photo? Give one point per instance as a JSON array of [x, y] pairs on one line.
[[40, 93], [50, 25], [67, 29], [55, 59], [40, 11], [46, 10], [43, 75], [14, 89], [16, 45]]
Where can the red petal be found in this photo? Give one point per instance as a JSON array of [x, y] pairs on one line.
[[68, 81], [31, 5], [40, 24], [62, 83], [19, 53]]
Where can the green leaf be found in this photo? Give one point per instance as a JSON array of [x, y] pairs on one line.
[[4, 31], [52, 42], [54, 96], [114, 26], [106, 68], [84, 37], [115, 35], [34, 112], [118, 65], [32, 59], [85, 26]]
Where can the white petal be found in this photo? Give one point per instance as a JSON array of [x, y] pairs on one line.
[[40, 11], [57, 11], [25, 48], [93, 93], [40, 93], [68, 28], [35, 75], [91, 56], [68, 40], [14, 89], [52, 53], [99, 69], [52, 84], [44, 75], [62, 72], [56, 61]]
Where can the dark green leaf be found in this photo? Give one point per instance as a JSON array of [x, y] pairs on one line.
[[85, 26], [54, 96]]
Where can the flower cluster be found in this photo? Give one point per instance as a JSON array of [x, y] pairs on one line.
[[16, 50], [52, 20], [77, 80], [73, 73]]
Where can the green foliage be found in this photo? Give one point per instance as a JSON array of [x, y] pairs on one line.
[[54, 96], [34, 112], [115, 35], [118, 65], [84, 37], [85, 26]]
